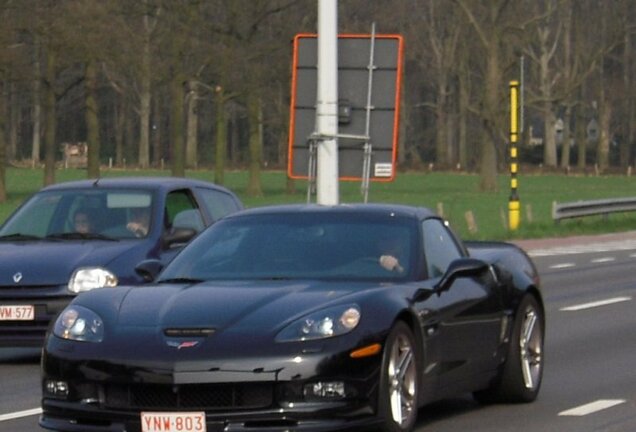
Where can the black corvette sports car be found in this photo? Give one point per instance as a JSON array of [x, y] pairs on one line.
[[300, 318]]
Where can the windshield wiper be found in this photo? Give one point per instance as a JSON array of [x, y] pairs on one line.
[[20, 236], [79, 236], [182, 280]]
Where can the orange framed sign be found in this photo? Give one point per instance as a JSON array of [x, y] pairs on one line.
[[358, 54]]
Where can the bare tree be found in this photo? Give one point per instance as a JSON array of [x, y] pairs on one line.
[[487, 18], [434, 46], [542, 52]]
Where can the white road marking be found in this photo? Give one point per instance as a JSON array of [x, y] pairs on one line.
[[595, 304], [592, 407], [602, 260], [632, 255], [562, 266], [20, 414], [598, 247]]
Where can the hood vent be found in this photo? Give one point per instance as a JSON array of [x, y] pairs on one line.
[[189, 332]]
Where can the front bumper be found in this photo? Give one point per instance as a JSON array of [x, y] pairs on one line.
[[259, 393], [48, 301], [63, 416]]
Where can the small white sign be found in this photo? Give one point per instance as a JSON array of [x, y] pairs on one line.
[[383, 170]]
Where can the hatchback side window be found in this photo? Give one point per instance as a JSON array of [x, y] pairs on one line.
[[182, 211], [440, 248], [217, 203]]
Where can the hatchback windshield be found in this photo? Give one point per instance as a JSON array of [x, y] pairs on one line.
[[82, 213], [294, 246]]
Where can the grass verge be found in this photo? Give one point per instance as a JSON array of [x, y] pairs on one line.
[[453, 194]]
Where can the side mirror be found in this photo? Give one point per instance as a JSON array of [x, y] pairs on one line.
[[149, 269], [462, 267], [178, 237]]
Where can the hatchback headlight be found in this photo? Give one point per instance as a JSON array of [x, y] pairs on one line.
[[326, 323], [80, 324], [88, 278]]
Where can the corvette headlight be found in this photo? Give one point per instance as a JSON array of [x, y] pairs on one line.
[[79, 324], [326, 323], [88, 278]]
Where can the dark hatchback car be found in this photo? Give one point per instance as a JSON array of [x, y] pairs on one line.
[[77, 236]]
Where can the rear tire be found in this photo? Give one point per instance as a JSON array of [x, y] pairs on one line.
[[521, 375], [399, 381]]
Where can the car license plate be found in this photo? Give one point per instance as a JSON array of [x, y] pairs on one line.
[[17, 313], [173, 422]]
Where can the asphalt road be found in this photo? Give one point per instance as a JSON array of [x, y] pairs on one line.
[[589, 381]]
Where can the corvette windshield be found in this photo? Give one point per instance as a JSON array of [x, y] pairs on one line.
[[299, 246]]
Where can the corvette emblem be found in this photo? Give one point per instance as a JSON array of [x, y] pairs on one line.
[[17, 277], [179, 345]]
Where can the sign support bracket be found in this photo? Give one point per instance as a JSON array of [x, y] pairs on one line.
[[314, 140], [368, 149]]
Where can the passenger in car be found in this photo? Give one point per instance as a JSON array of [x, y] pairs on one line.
[[139, 221], [81, 221]]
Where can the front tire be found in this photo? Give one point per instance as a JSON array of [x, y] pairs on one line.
[[521, 376], [399, 385]]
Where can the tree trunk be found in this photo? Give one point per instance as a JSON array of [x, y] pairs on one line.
[[464, 99], [120, 121], [549, 141], [487, 146], [92, 120], [626, 150], [602, 153], [37, 107], [129, 136], [235, 138], [176, 121], [157, 130], [255, 114], [220, 150], [14, 127], [145, 102], [628, 128], [441, 138], [549, 118], [193, 126], [49, 107], [565, 146], [3, 147], [580, 135]]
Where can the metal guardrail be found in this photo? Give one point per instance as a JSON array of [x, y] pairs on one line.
[[590, 208]]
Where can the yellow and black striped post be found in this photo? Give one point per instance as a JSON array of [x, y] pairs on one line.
[[513, 203]]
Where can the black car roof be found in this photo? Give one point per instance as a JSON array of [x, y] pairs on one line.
[[361, 209], [136, 182]]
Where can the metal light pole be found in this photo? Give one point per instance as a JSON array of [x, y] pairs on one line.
[[327, 188]]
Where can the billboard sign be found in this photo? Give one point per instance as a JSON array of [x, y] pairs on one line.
[[355, 55]]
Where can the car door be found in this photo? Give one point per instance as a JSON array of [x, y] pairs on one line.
[[462, 324]]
